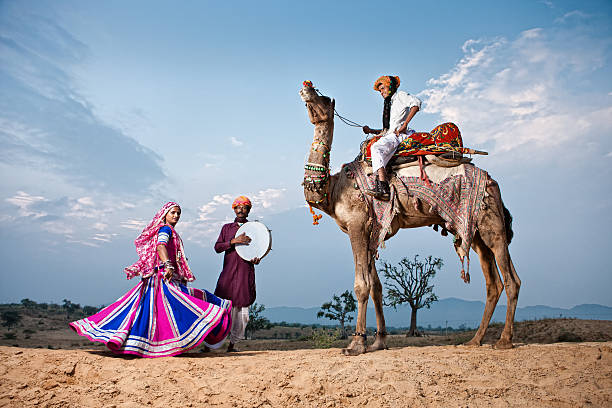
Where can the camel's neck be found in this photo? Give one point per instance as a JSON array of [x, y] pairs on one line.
[[316, 170]]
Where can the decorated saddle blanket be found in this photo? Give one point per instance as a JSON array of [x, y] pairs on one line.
[[381, 212], [443, 138], [455, 194]]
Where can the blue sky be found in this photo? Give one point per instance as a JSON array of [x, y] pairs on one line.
[[110, 109]]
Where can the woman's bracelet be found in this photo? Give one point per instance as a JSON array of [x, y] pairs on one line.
[[168, 265]]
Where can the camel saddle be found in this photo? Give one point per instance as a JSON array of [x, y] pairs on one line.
[[442, 146]]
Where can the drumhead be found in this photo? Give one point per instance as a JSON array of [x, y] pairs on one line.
[[261, 240]]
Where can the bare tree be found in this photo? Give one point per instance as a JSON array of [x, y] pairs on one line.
[[410, 284], [339, 309]]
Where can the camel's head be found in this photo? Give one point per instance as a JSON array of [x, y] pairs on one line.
[[320, 108]]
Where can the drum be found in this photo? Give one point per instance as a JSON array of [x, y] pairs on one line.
[[261, 240]]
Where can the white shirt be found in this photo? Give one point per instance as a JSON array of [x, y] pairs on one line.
[[401, 102]]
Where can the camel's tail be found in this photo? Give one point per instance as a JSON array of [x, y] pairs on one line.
[[508, 223]]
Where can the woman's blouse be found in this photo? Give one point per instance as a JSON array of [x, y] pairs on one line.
[[164, 237]]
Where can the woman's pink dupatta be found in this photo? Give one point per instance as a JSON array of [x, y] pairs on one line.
[[146, 247]]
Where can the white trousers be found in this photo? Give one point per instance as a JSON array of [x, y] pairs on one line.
[[240, 319], [384, 148]]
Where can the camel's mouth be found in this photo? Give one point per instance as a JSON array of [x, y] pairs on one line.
[[307, 94]]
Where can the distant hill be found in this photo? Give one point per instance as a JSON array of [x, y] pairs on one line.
[[451, 312]]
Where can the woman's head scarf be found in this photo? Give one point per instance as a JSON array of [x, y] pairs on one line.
[[393, 83], [146, 247]]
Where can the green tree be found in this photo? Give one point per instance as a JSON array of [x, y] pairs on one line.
[[410, 284], [10, 318], [70, 307], [28, 304], [89, 310], [339, 309], [256, 320]]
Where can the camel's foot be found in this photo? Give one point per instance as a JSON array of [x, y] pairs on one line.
[[356, 347], [503, 344], [380, 343], [473, 343]]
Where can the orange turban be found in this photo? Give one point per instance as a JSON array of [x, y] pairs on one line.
[[386, 80], [242, 200]]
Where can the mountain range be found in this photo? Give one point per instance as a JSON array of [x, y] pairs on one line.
[[449, 312]]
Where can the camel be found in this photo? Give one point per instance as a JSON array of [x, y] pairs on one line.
[[336, 196]]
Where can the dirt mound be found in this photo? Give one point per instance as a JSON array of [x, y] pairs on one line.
[[548, 331], [560, 375]]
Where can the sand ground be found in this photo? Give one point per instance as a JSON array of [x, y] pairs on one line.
[[549, 375]]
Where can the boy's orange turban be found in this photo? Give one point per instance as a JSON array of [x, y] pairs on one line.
[[386, 80]]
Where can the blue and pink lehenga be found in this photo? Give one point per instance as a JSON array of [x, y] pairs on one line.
[[159, 318]]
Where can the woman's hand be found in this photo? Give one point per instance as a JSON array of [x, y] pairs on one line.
[[366, 130], [255, 261], [168, 270]]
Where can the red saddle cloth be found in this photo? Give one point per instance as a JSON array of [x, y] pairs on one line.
[[443, 138]]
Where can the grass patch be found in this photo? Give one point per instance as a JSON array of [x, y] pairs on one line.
[[569, 337]]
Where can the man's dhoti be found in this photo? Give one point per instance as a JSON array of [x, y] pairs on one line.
[[384, 148], [240, 319]]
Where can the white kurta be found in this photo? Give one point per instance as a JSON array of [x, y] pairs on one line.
[[384, 148]]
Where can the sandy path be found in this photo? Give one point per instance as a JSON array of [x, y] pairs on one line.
[[553, 375]]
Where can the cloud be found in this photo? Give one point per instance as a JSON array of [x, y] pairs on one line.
[[100, 226], [79, 219], [47, 125], [548, 3], [136, 225], [25, 202], [235, 142], [524, 93], [576, 14], [205, 210], [212, 215], [268, 198]]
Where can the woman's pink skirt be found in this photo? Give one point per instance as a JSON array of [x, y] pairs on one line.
[[158, 319]]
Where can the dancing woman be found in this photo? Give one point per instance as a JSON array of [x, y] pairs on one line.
[[161, 316]]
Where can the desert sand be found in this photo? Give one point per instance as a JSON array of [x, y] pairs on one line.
[[550, 375]]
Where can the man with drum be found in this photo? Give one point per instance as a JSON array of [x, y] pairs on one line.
[[237, 279]]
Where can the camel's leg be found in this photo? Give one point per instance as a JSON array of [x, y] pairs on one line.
[[376, 292], [494, 236], [494, 287], [359, 244]]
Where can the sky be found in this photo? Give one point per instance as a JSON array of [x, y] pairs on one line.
[[110, 109]]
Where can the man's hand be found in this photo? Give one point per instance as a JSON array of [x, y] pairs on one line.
[[255, 261], [241, 239]]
